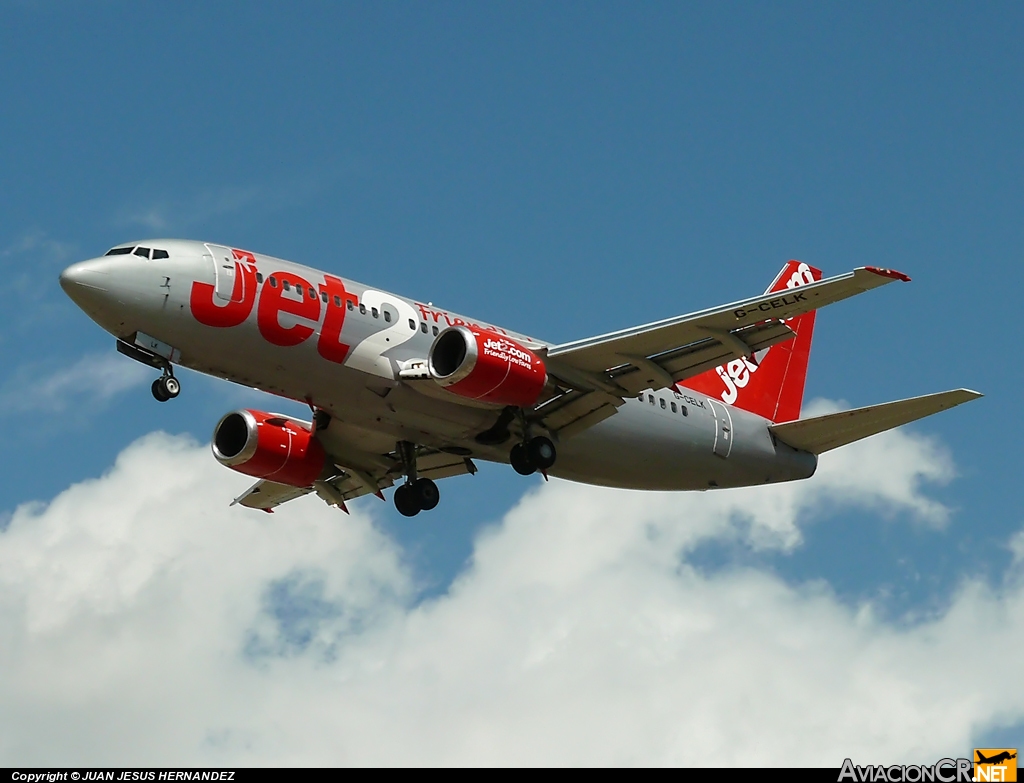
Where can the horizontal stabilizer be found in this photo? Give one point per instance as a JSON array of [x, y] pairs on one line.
[[824, 433]]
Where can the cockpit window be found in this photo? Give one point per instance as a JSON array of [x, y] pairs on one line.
[[142, 251], [119, 251], [160, 254]]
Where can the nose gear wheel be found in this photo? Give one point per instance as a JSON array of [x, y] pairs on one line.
[[166, 387]]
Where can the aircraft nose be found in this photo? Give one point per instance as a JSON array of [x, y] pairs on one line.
[[88, 285], [84, 274]]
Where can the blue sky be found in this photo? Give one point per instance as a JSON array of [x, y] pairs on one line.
[[562, 170]]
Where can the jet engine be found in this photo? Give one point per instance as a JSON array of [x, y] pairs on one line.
[[269, 446], [486, 366]]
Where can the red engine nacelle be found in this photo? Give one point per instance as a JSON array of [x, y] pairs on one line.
[[486, 366], [268, 446]]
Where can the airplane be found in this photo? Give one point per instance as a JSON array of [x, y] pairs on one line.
[[996, 759], [402, 391]]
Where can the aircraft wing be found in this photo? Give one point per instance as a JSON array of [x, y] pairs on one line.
[[267, 495], [658, 354], [351, 483], [824, 433]]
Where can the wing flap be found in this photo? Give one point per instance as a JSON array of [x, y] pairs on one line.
[[576, 411], [690, 360], [350, 483], [824, 433], [267, 495], [440, 464], [354, 484]]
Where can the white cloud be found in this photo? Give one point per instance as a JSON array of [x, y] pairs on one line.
[[42, 248], [863, 474], [89, 382], [153, 218], [30, 296], [1017, 547], [198, 209], [144, 621]]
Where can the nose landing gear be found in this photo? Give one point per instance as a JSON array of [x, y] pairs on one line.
[[153, 353], [166, 387]]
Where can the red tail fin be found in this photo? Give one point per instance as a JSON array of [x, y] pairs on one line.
[[770, 384]]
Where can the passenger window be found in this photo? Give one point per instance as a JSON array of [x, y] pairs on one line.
[[663, 406], [387, 316], [286, 285], [412, 324], [312, 294], [640, 397], [373, 311], [684, 410], [325, 297], [120, 251], [673, 407], [259, 277], [650, 399], [435, 331], [423, 327], [160, 254], [273, 281], [362, 309], [142, 251]]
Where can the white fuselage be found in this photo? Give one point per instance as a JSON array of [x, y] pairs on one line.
[[339, 346]]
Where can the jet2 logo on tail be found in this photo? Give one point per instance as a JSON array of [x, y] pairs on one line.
[[737, 373], [802, 276]]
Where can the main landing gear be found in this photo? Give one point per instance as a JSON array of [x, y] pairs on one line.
[[416, 494], [532, 455], [166, 387]]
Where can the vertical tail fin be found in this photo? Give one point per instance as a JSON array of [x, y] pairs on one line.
[[771, 383]]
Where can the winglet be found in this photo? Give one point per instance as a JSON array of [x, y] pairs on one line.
[[888, 273]]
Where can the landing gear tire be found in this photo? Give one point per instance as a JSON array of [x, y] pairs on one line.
[[520, 460], [166, 388], [541, 452], [172, 386], [158, 391], [426, 493], [406, 500]]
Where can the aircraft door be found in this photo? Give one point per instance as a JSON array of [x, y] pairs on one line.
[[223, 261], [723, 428]]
